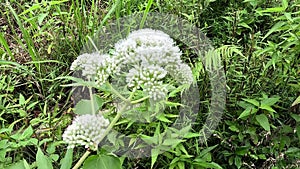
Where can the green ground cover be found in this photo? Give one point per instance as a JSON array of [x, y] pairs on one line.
[[256, 41]]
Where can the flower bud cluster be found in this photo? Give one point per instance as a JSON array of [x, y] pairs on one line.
[[150, 78], [97, 66], [146, 56], [149, 55], [86, 130]]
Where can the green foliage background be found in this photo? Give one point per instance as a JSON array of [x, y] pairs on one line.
[[259, 45]]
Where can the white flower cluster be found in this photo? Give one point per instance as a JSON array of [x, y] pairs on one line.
[[150, 78], [146, 56], [96, 66], [147, 47], [86, 130], [150, 55]]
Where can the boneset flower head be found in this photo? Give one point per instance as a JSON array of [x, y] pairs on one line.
[[86, 130], [148, 56]]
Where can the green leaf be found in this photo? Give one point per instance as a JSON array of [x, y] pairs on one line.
[[85, 106], [247, 112], [205, 164], [21, 99], [180, 165], [242, 150], [42, 161], [271, 10], [4, 43], [26, 165], [252, 101], [238, 161], [162, 117], [243, 24], [41, 17], [263, 121], [234, 128], [267, 107], [154, 155], [206, 150], [27, 133], [270, 101], [102, 162], [285, 4], [296, 117], [172, 142], [275, 28], [66, 162], [18, 165], [191, 135], [297, 101]]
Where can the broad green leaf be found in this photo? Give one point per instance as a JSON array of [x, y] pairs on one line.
[[238, 161], [180, 165], [262, 119], [242, 150], [21, 99], [26, 165], [296, 117], [42, 161], [252, 101], [267, 107], [285, 4], [288, 16], [3, 144], [66, 162], [27, 133], [18, 165], [85, 106], [102, 162], [248, 111], [233, 128], [270, 101]]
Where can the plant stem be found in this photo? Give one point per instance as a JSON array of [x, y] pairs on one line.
[[91, 40], [139, 100], [81, 160], [114, 121], [114, 91], [92, 100]]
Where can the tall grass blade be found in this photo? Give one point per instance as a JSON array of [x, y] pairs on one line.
[[29, 42], [6, 47], [150, 2]]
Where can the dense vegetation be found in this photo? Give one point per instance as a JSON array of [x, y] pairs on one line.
[[257, 42]]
